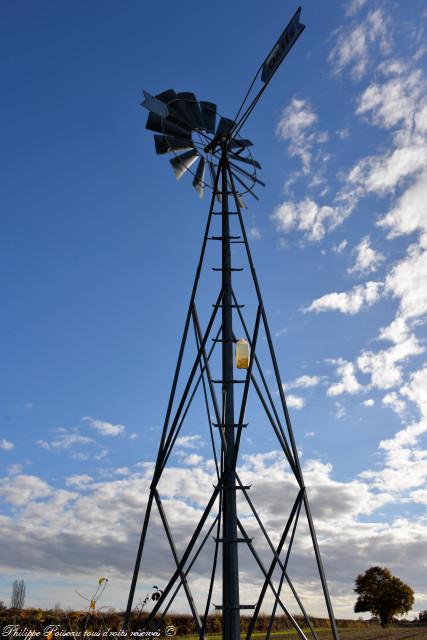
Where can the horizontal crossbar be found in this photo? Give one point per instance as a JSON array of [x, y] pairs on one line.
[[228, 426]]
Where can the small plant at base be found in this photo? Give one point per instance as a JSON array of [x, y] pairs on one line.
[[102, 584]]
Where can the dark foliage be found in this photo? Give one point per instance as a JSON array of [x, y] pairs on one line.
[[383, 594]]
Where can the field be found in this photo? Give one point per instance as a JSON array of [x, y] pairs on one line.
[[105, 625], [371, 633]]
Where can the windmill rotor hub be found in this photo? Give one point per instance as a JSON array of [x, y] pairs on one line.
[[194, 132]]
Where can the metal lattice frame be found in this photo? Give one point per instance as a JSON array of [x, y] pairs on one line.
[[226, 524]]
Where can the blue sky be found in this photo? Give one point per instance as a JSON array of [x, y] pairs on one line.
[[98, 250]]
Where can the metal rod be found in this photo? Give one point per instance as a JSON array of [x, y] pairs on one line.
[[246, 387], [282, 577], [215, 560], [189, 383], [269, 583], [279, 562], [206, 362], [190, 400], [321, 569], [208, 413], [186, 326], [187, 571], [138, 561], [277, 427], [230, 566], [273, 566], [185, 556], [270, 417], [175, 557]]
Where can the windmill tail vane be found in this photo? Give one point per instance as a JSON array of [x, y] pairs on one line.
[[208, 146]]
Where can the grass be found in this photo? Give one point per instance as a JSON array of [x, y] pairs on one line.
[[37, 619], [371, 633]]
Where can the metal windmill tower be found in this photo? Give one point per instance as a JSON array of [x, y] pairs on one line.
[[210, 148]]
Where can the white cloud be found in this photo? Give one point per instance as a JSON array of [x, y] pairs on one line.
[[104, 428], [294, 401], [74, 534], [397, 331], [79, 481], [7, 445], [381, 174], [296, 126], [354, 6], [23, 488], [384, 366], [313, 220], [193, 460], [339, 248], [407, 281], [350, 302], [101, 455], [122, 471], [354, 44], [410, 212], [394, 101], [395, 403], [343, 133], [65, 441], [399, 104], [255, 233], [348, 382], [416, 390], [367, 259], [303, 382], [14, 469], [368, 403], [190, 442]]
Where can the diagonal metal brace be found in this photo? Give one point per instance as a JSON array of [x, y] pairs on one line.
[[175, 556]]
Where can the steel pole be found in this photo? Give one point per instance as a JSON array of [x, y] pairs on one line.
[[230, 560]]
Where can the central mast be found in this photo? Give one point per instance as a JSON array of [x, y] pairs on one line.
[[230, 560]]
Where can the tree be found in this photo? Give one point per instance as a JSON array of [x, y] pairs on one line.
[[383, 594], [18, 594], [422, 616]]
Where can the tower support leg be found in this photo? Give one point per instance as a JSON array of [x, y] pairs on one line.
[[230, 561]]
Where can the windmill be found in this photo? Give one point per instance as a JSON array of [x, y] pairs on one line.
[[208, 147]]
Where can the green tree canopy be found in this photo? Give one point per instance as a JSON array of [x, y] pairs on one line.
[[383, 594]]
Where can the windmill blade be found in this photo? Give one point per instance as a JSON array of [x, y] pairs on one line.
[[166, 96], [208, 110], [185, 108], [225, 125], [241, 143], [182, 163], [167, 144], [155, 105], [241, 202], [198, 183], [252, 176], [250, 161], [165, 125], [193, 108]]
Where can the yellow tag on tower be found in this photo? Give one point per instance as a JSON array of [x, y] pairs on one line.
[[243, 354]]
